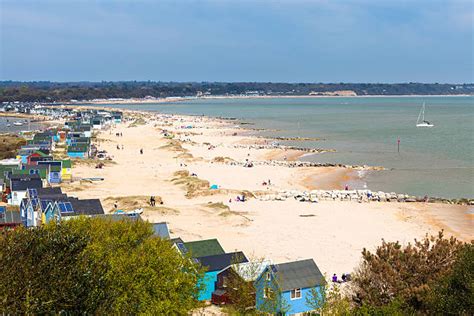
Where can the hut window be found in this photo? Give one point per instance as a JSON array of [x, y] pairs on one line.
[[267, 293], [295, 294]]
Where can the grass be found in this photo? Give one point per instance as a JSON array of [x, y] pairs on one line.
[[9, 145], [133, 202], [92, 162], [218, 206], [137, 122], [221, 159], [193, 185], [174, 145]]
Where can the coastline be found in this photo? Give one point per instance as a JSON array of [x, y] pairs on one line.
[[218, 97], [172, 152]]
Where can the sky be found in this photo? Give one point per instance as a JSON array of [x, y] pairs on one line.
[[225, 40]]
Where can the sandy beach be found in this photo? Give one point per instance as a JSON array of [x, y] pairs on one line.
[[333, 233]]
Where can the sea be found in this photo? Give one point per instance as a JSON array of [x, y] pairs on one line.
[[436, 161], [7, 126]]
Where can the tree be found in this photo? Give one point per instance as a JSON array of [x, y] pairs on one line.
[[405, 273], [328, 300], [94, 265], [240, 287], [453, 294]]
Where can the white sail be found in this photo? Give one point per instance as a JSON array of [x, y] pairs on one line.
[[422, 122]]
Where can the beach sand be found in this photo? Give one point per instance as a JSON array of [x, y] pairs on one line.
[[333, 233]]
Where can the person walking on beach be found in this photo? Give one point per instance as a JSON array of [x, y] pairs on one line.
[[141, 151]]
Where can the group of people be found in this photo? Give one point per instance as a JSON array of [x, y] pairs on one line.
[[118, 134], [267, 182], [344, 278], [239, 199], [152, 200], [119, 147]]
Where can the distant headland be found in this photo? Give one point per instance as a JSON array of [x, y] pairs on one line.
[[47, 91]]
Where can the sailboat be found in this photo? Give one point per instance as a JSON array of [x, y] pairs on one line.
[[422, 122]]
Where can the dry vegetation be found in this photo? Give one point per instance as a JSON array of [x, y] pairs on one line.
[[220, 159], [92, 162], [137, 122], [193, 185], [9, 145], [218, 206], [134, 202], [174, 145]]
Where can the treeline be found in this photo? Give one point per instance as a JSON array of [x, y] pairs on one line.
[[45, 91]]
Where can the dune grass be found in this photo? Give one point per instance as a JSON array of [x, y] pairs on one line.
[[193, 185], [134, 202], [9, 145]]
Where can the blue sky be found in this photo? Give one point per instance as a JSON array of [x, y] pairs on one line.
[[223, 40]]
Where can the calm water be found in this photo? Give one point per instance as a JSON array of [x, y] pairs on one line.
[[435, 161], [6, 125]]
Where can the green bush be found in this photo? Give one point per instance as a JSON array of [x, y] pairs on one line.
[[94, 265]]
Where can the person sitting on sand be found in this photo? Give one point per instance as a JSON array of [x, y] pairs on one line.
[[141, 151], [334, 278], [343, 277]]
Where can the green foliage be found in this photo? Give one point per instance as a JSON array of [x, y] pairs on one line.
[[273, 303], [404, 274], [94, 265], [242, 293], [453, 294], [394, 308], [328, 300]]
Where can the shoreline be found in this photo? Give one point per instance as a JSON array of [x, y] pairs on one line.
[[218, 97], [194, 211]]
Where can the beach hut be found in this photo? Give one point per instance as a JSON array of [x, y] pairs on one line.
[[36, 156], [9, 219], [117, 117], [66, 170], [19, 184], [30, 205], [78, 151], [53, 170], [202, 248], [161, 230], [240, 273], [288, 285], [40, 170], [213, 265]]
